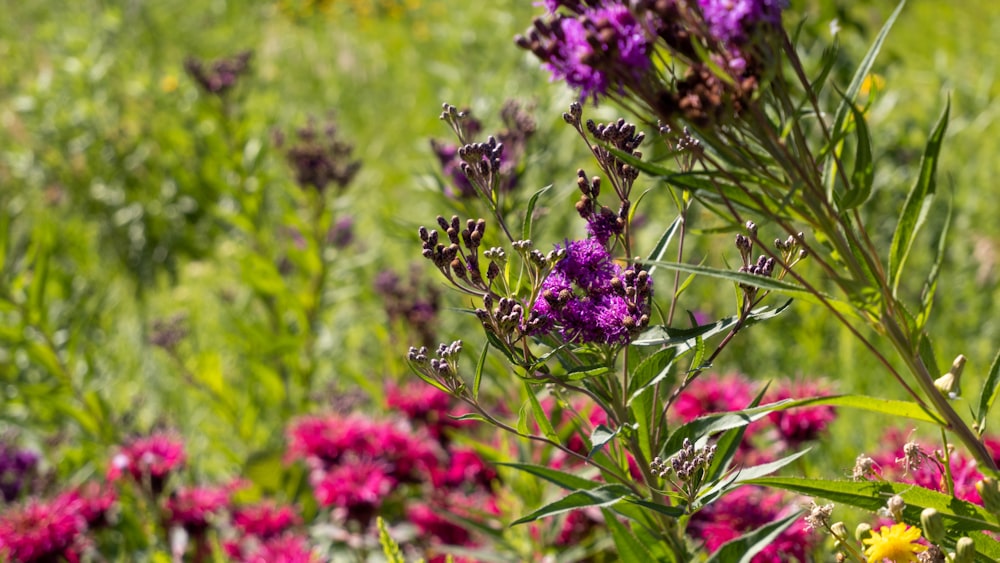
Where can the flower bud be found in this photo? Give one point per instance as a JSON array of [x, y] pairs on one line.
[[965, 550], [895, 506], [839, 530], [862, 532], [989, 491], [933, 525], [948, 384]]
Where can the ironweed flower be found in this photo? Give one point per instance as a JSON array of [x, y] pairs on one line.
[[152, 458], [591, 298], [603, 47], [219, 76], [321, 158], [16, 467], [733, 21], [412, 302]]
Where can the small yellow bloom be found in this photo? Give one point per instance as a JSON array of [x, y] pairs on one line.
[[168, 83], [895, 544], [872, 84]]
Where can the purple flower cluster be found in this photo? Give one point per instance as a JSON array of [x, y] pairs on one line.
[[730, 21], [16, 467], [600, 49], [591, 298]]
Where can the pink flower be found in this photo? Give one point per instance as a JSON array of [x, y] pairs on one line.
[[745, 510], [93, 501], [712, 394], [42, 531], [195, 507], [424, 404], [802, 424], [265, 520], [465, 467], [289, 548], [153, 458], [356, 487]]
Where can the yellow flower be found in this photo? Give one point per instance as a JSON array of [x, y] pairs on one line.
[[895, 544], [168, 83]]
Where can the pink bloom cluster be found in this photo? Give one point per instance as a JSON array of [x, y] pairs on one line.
[[747, 509], [149, 460], [56, 529], [264, 535]]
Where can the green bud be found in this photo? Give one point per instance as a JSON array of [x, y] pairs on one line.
[[948, 384], [965, 550], [933, 525], [989, 491], [862, 532], [839, 531]]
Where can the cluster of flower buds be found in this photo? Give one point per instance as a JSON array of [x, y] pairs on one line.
[[320, 158], [619, 135], [461, 267], [220, 76], [686, 469], [602, 222], [442, 369]]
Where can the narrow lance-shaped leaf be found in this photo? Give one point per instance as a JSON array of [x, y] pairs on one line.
[[930, 284], [480, 367], [988, 396], [539, 414], [917, 204], [660, 248], [628, 546], [864, 168], [529, 213], [560, 478], [603, 496]]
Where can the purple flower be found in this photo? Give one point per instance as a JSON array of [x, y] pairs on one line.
[[585, 294], [731, 20], [15, 467], [603, 47]]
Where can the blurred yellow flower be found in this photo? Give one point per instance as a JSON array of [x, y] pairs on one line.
[[168, 83], [895, 544], [872, 84]]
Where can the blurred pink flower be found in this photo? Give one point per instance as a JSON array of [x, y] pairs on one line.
[[356, 487], [464, 467], [42, 530], [713, 393], [802, 424], [264, 520], [153, 457], [745, 510], [193, 508]]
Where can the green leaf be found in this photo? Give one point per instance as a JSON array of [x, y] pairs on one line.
[[840, 118], [600, 437], [651, 371], [891, 407], [959, 515], [480, 366], [705, 426], [710, 494], [586, 372], [628, 547], [529, 213], [684, 339], [930, 284], [560, 478], [265, 469], [389, 546], [660, 248], [603, 496], [728, 444], [744, 548], [522, 419], [988, 396], [917, 204], [864, 168], [539, 414]]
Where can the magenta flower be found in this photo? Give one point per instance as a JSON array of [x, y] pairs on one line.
[[803, 424], [747, 509], [465, 467], [712, 394], [355, 488], [42, 531], [194, 508], [264, 520], [152, 458]]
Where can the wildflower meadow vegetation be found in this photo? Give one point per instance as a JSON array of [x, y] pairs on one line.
[[572, 280]]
